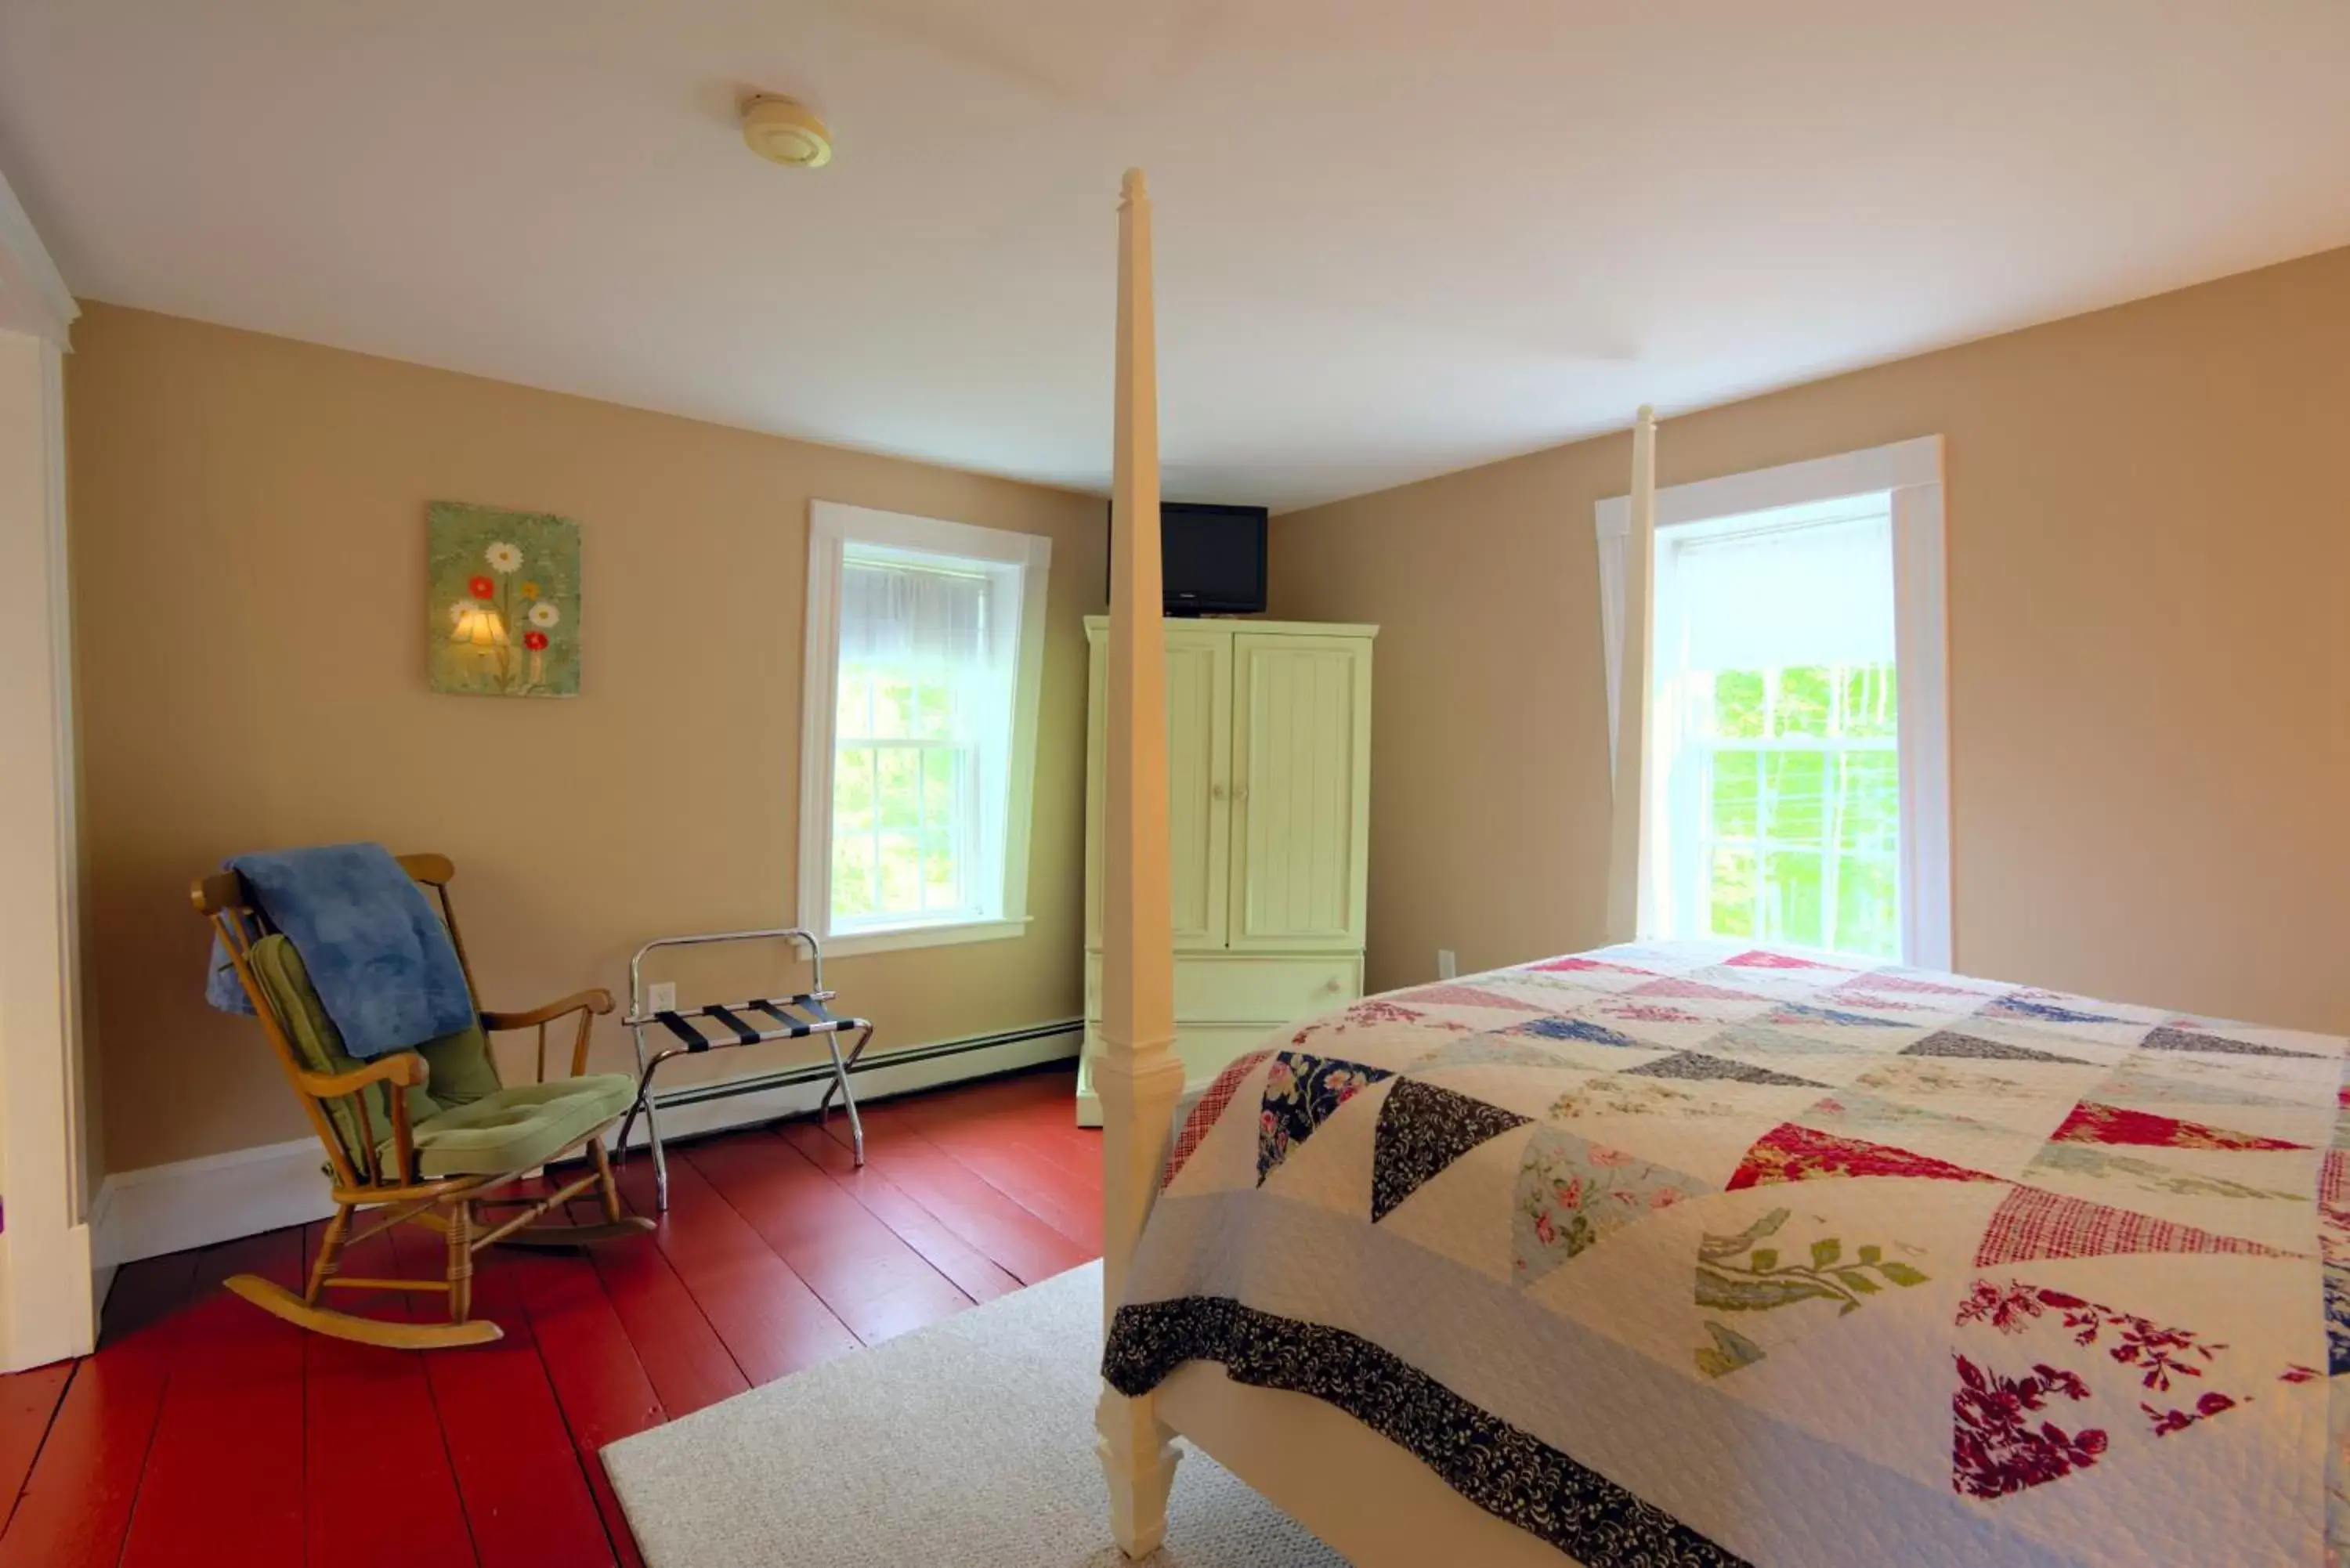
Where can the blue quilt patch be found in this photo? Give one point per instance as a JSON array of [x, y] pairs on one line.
[[1301, 1091], [2044, 1012], [2337, 1319], [1581, 1029]]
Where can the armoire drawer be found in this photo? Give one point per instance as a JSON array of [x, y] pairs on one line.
[[1231, 988]]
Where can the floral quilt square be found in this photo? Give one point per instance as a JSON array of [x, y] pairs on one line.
[[1301, 1093], [1573, 1193]]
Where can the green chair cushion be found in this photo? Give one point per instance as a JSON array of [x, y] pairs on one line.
[[462, 1071], [516, 1128]]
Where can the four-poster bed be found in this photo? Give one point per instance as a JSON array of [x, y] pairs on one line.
[[1683, 1252], [1289, 1446]]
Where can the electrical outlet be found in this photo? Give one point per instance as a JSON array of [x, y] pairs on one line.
[[1447, 966], [662, 996]]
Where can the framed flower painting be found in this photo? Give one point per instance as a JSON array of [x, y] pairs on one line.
[[503, 594]]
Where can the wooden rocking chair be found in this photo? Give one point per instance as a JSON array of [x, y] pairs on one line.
[[427, 1134]]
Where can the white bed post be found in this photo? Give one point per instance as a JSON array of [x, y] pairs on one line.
[[1137, 1073], [1629, 917]]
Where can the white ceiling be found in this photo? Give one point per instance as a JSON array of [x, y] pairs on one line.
[[1395, 236]]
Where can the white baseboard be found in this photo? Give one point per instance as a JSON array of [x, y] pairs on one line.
[[196, 1202], [102, 1268], [220, 1197], [101, 1281]]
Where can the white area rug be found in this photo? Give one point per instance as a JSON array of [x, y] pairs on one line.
[[968, 1443]]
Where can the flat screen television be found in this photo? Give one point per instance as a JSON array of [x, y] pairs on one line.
[[1212, 559]]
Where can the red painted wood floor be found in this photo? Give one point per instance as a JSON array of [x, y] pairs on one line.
[[204, 1431]]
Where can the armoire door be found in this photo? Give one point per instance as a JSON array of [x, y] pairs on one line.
[[1301, 791], [1198, 785]]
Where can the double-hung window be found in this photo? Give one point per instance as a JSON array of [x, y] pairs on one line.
[[924, 660], [1796, 783], [1776, 764]]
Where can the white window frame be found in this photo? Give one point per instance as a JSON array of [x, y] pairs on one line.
[[1911, 472], [832, 526]]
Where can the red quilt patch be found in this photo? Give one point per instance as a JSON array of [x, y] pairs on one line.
[[1203, 1115], [2005, 1434], [1689, 990], [1571, 965], [1878, 980], [1759, 959], [1441, 995], [2030, 1223], [1792, 1153], [2334, 1179], [2094, 1123]]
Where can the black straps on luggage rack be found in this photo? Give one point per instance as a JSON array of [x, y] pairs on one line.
[[743, 1033], [678, 1021], [795, 1029], [695, 1040]]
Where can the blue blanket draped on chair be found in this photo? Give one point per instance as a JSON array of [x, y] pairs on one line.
[[378, 957]]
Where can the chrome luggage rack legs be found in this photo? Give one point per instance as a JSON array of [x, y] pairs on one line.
[[794, 1017]]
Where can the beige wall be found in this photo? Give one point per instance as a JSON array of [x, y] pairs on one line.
[[247, 520], [2149, 562]]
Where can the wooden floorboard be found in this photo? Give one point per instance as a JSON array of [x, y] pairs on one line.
[[371, 1413], [600, 1385], [1030, 1173], [688, 1363], [1021, 1139], [946, 1251], [869, 1277], [76, 1503], [28, 1403], [1011, 1236], [205, 1431], [527, 1504], [770, 1320], [222, 1476]]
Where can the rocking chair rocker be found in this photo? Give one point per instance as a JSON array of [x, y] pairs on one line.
[[429, 1134]]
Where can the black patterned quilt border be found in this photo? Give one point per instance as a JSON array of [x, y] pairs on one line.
[[1507, 1472]]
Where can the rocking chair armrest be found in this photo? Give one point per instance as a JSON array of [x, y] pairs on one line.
[[589, 1004], [595, 1000], [405, 1068], [402, 1070]]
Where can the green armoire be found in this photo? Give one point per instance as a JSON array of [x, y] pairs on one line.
[[1268, 760]]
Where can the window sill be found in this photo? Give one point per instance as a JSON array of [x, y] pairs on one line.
[[848, 944]]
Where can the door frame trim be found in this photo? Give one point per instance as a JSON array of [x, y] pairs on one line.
[[49, 1292]]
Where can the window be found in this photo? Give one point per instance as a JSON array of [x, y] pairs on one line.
[[925, 653], [1795, 786], [1776, 759]]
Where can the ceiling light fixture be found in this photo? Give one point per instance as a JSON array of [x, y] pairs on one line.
[[785, 130]]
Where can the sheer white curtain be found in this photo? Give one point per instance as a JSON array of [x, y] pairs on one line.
[[1764, 600], [901, 615], [1764, 593], [921, 739]]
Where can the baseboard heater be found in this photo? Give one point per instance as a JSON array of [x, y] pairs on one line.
[[813, 1072]]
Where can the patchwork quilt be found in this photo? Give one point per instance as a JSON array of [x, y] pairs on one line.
[[1687, 1253]]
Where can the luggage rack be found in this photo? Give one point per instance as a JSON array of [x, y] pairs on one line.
[[798, 1017]]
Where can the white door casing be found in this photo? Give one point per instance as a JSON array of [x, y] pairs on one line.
[[48, 1296]]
